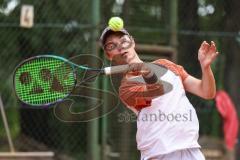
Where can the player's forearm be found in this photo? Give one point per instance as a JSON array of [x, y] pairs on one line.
[[208, 86]]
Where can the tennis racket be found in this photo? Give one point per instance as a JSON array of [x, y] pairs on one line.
[[47, 79]]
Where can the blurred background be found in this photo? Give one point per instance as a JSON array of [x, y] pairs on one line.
[[172, 29]]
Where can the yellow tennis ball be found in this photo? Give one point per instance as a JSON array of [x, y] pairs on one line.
[[115, 23]]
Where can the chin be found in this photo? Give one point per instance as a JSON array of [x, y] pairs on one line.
[[129, 59], [123, 59]]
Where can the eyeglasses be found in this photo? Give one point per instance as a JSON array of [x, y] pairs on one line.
[[124, 44]]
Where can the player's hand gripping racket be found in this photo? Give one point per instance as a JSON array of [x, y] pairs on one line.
[[47, 79]]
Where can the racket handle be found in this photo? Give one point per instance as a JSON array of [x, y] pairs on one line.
[[116, 69]]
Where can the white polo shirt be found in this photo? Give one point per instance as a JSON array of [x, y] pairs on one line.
[[165, 123]]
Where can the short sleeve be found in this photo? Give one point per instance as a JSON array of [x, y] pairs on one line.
[[177, 69], [183, 73]]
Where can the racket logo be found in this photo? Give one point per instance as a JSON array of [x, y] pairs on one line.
[[46, 74], [25, 78]]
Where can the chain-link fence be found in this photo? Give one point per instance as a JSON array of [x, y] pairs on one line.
[[161, 28]]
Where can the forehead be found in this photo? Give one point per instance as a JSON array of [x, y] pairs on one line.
[[116, 37]]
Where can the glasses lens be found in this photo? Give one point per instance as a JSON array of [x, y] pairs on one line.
[[126, 44], [110, 46]]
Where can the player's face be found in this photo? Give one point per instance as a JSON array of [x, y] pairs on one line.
[[120, 48]]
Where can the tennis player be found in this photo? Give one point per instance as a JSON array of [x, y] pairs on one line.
[[167, 124]]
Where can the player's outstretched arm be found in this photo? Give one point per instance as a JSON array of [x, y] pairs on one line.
[[206, 87]]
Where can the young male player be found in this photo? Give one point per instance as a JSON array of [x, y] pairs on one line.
[[173, 133]]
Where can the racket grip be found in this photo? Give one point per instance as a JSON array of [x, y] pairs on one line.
[[116, 69]]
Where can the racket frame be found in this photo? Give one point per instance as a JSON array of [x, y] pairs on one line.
[[73, 66]]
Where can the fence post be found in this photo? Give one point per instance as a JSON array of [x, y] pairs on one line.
[[173, 26], [93, 126]]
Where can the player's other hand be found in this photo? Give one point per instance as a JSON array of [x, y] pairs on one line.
[[207, 53]]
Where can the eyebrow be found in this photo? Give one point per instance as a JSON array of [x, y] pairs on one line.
[[108, 43]]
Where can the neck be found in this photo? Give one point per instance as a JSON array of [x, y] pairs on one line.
[[135, 59]]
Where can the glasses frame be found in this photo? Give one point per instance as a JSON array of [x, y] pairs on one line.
[[118, 45]]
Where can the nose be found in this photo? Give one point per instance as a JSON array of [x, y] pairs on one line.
[[119, 48]]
